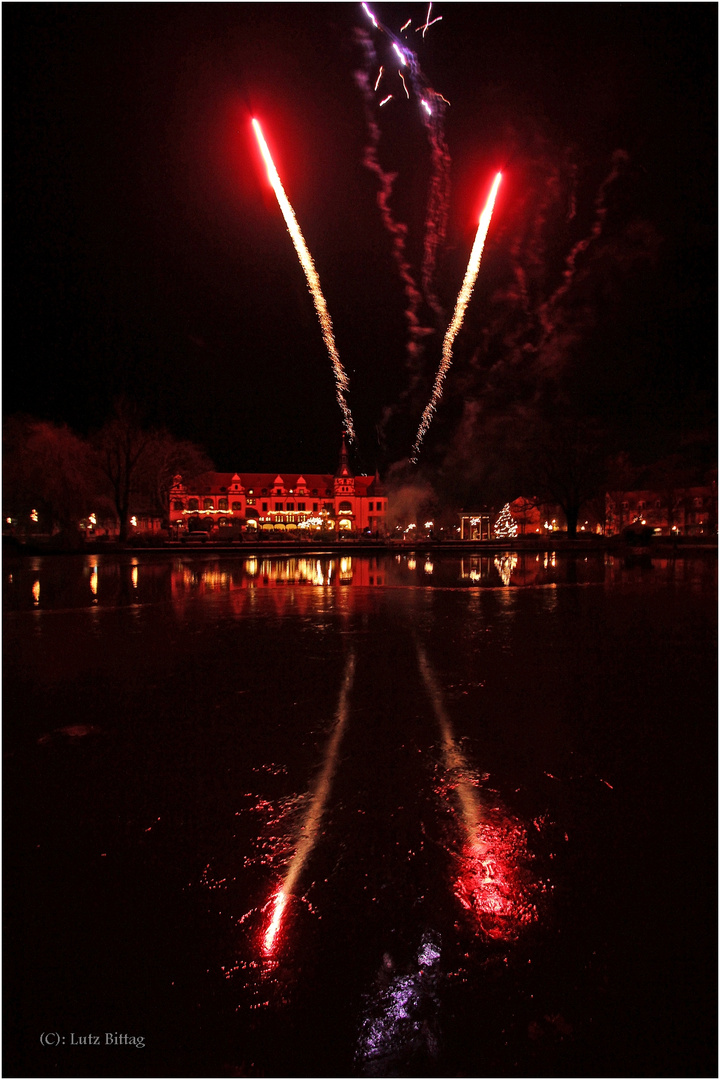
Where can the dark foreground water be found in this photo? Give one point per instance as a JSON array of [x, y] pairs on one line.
[[323, 816]]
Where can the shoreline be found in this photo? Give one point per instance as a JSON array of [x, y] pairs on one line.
[[560, 543]]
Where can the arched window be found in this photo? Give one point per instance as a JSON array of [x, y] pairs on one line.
[[222, 504], [208, 504], [193, 504], [177, 506], [345, 507]]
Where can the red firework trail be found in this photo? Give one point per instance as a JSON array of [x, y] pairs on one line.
[[341, 379], [457, 320]]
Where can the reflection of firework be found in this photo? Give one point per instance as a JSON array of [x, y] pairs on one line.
[[400, 1022], [313, 280], [491, 881], [311, 823]]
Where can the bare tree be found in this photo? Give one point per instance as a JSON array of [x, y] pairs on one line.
[[46, 470], [137, 463], [165, 458], [566, 465], [120, 446]]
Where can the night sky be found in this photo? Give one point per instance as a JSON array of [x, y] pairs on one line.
[[145, 253]]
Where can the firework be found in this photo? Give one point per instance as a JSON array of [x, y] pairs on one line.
[[459, 314], [431, 113], [341, 379]]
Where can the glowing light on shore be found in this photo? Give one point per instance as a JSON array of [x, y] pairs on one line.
[[311, 824], [456, 322], [306, 261]]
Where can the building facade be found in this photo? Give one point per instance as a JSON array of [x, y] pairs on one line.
[[280, 502], [690, 511]]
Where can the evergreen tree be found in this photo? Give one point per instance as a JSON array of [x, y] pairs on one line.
[[505, 524]]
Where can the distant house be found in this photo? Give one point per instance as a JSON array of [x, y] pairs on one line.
[[689, 511], [280, 502]]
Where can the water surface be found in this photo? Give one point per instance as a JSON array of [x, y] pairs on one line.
[[329, 815]]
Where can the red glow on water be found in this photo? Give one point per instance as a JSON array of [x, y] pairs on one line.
[[271, 934], [492, 883]]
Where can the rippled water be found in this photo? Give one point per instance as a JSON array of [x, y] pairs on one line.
[[360, 816]]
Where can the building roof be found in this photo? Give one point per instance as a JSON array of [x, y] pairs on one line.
[[213, 483]]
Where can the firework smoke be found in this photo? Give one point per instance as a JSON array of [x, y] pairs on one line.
[[397, 230], [456, 322], [341, 379], [619, 159], [432, 111]]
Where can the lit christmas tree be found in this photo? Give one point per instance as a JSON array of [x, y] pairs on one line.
[[505, 524]]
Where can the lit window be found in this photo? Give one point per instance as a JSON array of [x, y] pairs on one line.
[[222, 504], [208, 504], [251, 502]]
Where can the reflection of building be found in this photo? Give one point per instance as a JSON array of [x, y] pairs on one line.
[[690, 511], [281, 502]]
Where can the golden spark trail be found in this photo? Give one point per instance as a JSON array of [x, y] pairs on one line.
[[460, 307], [311, 824], [306, 261]]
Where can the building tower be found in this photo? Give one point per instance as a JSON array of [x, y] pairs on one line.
[[344, 479]]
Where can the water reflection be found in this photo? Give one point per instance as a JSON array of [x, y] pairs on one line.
[[400, 1024], [311, 823], [492, 881], [113, 581]]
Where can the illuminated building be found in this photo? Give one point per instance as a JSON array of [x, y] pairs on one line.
[[281, 502], [683, 511], [475, 525]]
